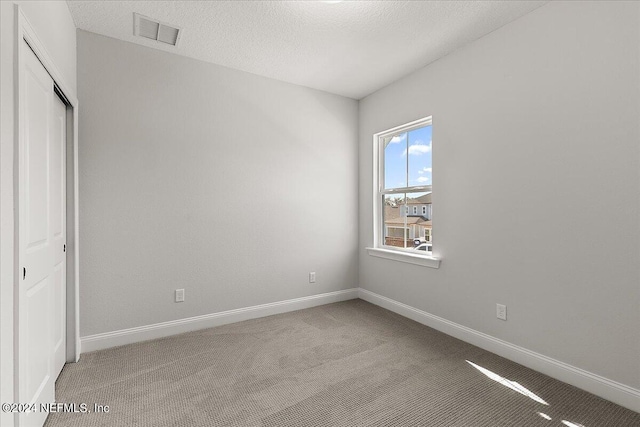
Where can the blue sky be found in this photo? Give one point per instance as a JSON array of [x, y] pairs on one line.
[[415, 144]]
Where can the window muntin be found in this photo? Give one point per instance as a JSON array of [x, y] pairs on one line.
[[404, 183]]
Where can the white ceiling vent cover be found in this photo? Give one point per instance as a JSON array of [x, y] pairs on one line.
[[155, 30]]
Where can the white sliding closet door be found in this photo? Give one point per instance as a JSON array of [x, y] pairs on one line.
[[42, 231]]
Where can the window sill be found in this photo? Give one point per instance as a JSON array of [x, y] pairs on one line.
[[397, 255]]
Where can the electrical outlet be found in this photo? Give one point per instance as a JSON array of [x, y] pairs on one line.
[[179, 295], [501, 311], [312, 277]]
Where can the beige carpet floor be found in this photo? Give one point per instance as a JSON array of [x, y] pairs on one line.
[[342, 364]]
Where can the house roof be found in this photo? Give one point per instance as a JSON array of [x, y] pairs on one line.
[[392, 215], [417, 220], [420, 200]]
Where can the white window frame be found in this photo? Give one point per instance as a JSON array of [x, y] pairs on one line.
[[379, 249]]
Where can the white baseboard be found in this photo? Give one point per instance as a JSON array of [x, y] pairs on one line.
[[613, 391], [164, 329]]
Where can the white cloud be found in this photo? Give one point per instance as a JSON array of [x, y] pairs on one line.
[[398, 138], [418, 149], [426, 170], [423, 179]]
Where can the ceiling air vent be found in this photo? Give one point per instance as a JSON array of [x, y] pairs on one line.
[[155, 30]]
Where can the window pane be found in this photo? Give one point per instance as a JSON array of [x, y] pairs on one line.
[[395, 162], [407, 219], [419, 152], [395, 230]]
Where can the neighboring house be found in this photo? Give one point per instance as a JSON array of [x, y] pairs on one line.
[[402, 228]]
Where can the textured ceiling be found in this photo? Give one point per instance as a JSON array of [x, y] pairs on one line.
[[350, 48]]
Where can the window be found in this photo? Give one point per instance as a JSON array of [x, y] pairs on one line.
[[403, 174]]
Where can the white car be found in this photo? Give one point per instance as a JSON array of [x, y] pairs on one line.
[[427, 247]]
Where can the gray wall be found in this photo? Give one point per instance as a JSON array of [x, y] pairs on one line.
[[537, 182], [229, 185], [55, 29]]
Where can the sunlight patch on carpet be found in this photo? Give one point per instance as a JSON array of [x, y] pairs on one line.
[[508, 383]]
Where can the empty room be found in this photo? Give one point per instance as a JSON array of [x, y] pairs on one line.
[[320, 213]]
